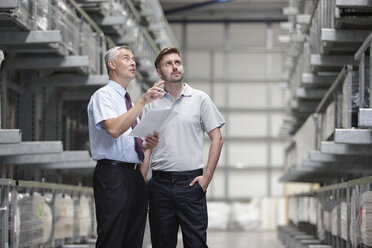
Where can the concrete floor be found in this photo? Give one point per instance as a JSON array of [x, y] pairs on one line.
[[235, 239], [219, 239], [239, 239]]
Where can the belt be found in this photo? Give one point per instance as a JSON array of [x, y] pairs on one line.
[[118, 163], [177, 174]]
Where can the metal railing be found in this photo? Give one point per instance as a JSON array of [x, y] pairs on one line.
[[337, 109], [344, 98], [365, 88], [341, 213], [49, 214]]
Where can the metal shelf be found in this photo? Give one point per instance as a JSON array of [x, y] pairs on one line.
[[10, 136]]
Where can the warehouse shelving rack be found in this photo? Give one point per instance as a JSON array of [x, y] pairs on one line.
[[53, 63], [71, 49], [336, 119], [324, 35], [28, 202], [330, 66], [336, 215]]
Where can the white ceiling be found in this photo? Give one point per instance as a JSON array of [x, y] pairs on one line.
[[243, 10]]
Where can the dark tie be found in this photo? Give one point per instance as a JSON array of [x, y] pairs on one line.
[[138, 141]]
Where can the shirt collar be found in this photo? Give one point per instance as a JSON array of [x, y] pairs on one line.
[[185, 92], [117, 87]]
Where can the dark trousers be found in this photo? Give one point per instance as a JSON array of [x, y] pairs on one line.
[[174, 203], [121, 205]]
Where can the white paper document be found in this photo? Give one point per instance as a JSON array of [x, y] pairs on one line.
[[153, 121]]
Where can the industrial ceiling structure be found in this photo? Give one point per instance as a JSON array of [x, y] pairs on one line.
[[224, 10]]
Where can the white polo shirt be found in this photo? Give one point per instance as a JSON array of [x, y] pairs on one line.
[[181, 140]]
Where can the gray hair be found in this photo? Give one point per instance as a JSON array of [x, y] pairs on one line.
[[112, 53]]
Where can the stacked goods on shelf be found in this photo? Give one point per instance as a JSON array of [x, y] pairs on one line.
[[343, 216], [33, 220], [320, 227], [335, 221], [366, 218], [89, 42], [63, 217], [83, 216], [66, 20], [42, 15]]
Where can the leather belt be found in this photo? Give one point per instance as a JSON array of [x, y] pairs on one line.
[[118, 163], [177, 174]]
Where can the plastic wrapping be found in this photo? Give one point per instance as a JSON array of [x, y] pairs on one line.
[[132, 30], [327, 221], [320, 221], [246, 216], [305, 140], [344, 227], [354, 234], [303, 210], [66, 20], [218, 215], [364, 103], [293, 210], [42, 15], [350, 101], [35, 218], [366, 218], [83, 217], [23, 12], [64, 216], [14, 220], [47, 217], [335, 221], [312, 211], [90, 43]]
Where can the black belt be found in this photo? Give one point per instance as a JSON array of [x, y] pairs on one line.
[[119, 163], [177, 174]]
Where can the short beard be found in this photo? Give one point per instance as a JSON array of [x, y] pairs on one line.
[[169, 80]]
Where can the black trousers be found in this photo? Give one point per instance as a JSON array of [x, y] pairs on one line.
[[121, 204], [174, 203]]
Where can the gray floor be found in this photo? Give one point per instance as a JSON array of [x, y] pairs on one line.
[[240, 239], [235, 239], [221, 239]]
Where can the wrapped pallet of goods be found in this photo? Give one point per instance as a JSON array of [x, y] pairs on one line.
[[64, 216], [366, 218], [33, 220]]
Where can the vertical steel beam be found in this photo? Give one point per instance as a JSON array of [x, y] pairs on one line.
[[211, 93], [184, 48], [4, 104], [370, 75], [348, 216], [357, 217], [361, 81], [226, 64], [4, 213], [268, 73]]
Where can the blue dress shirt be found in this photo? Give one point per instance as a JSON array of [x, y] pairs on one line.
[[106, 103]]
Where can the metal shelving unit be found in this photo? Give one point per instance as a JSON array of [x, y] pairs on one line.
[[336, 215], [53, 62], [330, 134]]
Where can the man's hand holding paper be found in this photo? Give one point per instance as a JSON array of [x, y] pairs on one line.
[[151, 141], [152, 122]]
